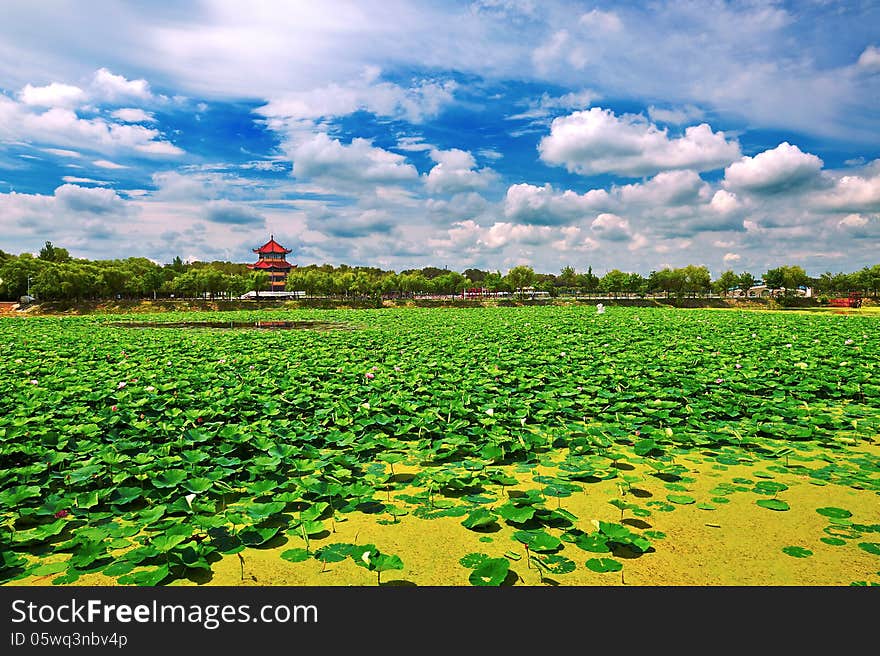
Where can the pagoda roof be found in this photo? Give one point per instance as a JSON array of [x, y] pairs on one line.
[[270, 264], [272, 246]]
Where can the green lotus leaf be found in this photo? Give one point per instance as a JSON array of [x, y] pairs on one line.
[[86, 500], [479, 518], [516, 514], [40, 533], [334, 553], [557, 564], [314, 511], [118, 568], [472, 560], [255, 537], [296, 555], [681, 499], [594, 542], [123, 495], [870, 547], [491, 572], [797, 552], [773, 504], [145, 577], [834, 513], [538, 540], [71, 576], [602, 565], [616, 532], [769, 487], [385, 562], [164, 543], [313, 528], [169, 478], [197, 485], [260, 511], [140, 554], [48, 568]]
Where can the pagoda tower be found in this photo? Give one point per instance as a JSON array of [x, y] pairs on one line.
[[271, 258]]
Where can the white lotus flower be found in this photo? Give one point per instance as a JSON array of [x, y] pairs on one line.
[[490, 411], [189, 499], [366, 557]]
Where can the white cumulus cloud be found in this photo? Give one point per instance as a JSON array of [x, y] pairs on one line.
[[358, 162], [525, 203], [668, 188], [89, 199], [52, 95], [869, 60], [456, 172], [133, 115], [111, 87], [612, 227], [597, 141], [854, 193], [773, 171]]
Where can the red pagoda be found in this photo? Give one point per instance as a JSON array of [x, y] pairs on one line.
[[271, 259]]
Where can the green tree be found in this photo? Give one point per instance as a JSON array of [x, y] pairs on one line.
[[520, 277], [726, 282], [211, 280], [746, 281], [476, 276], [697, 279], [635, 284], [235, 285], [259, 282], [588, 281], [774, 279], [52, 253], [614, 282]]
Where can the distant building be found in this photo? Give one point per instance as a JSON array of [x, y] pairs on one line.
[[761, 290], [271, 258]]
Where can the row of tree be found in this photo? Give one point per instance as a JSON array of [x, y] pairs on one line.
[[54, 275]]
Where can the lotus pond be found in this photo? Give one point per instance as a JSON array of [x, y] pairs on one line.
[[454, 447]]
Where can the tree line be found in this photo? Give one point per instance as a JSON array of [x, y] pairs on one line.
[[55, 275]]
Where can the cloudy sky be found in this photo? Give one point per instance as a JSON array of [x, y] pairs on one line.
[[486, 133]]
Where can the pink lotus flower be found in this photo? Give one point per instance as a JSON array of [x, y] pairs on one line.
[[738, 365], [113, 408], [120, 385], [33, 381], [62, 513], [718, 381], [370, 375]]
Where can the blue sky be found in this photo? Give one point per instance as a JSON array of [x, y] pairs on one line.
[[738, 135]]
